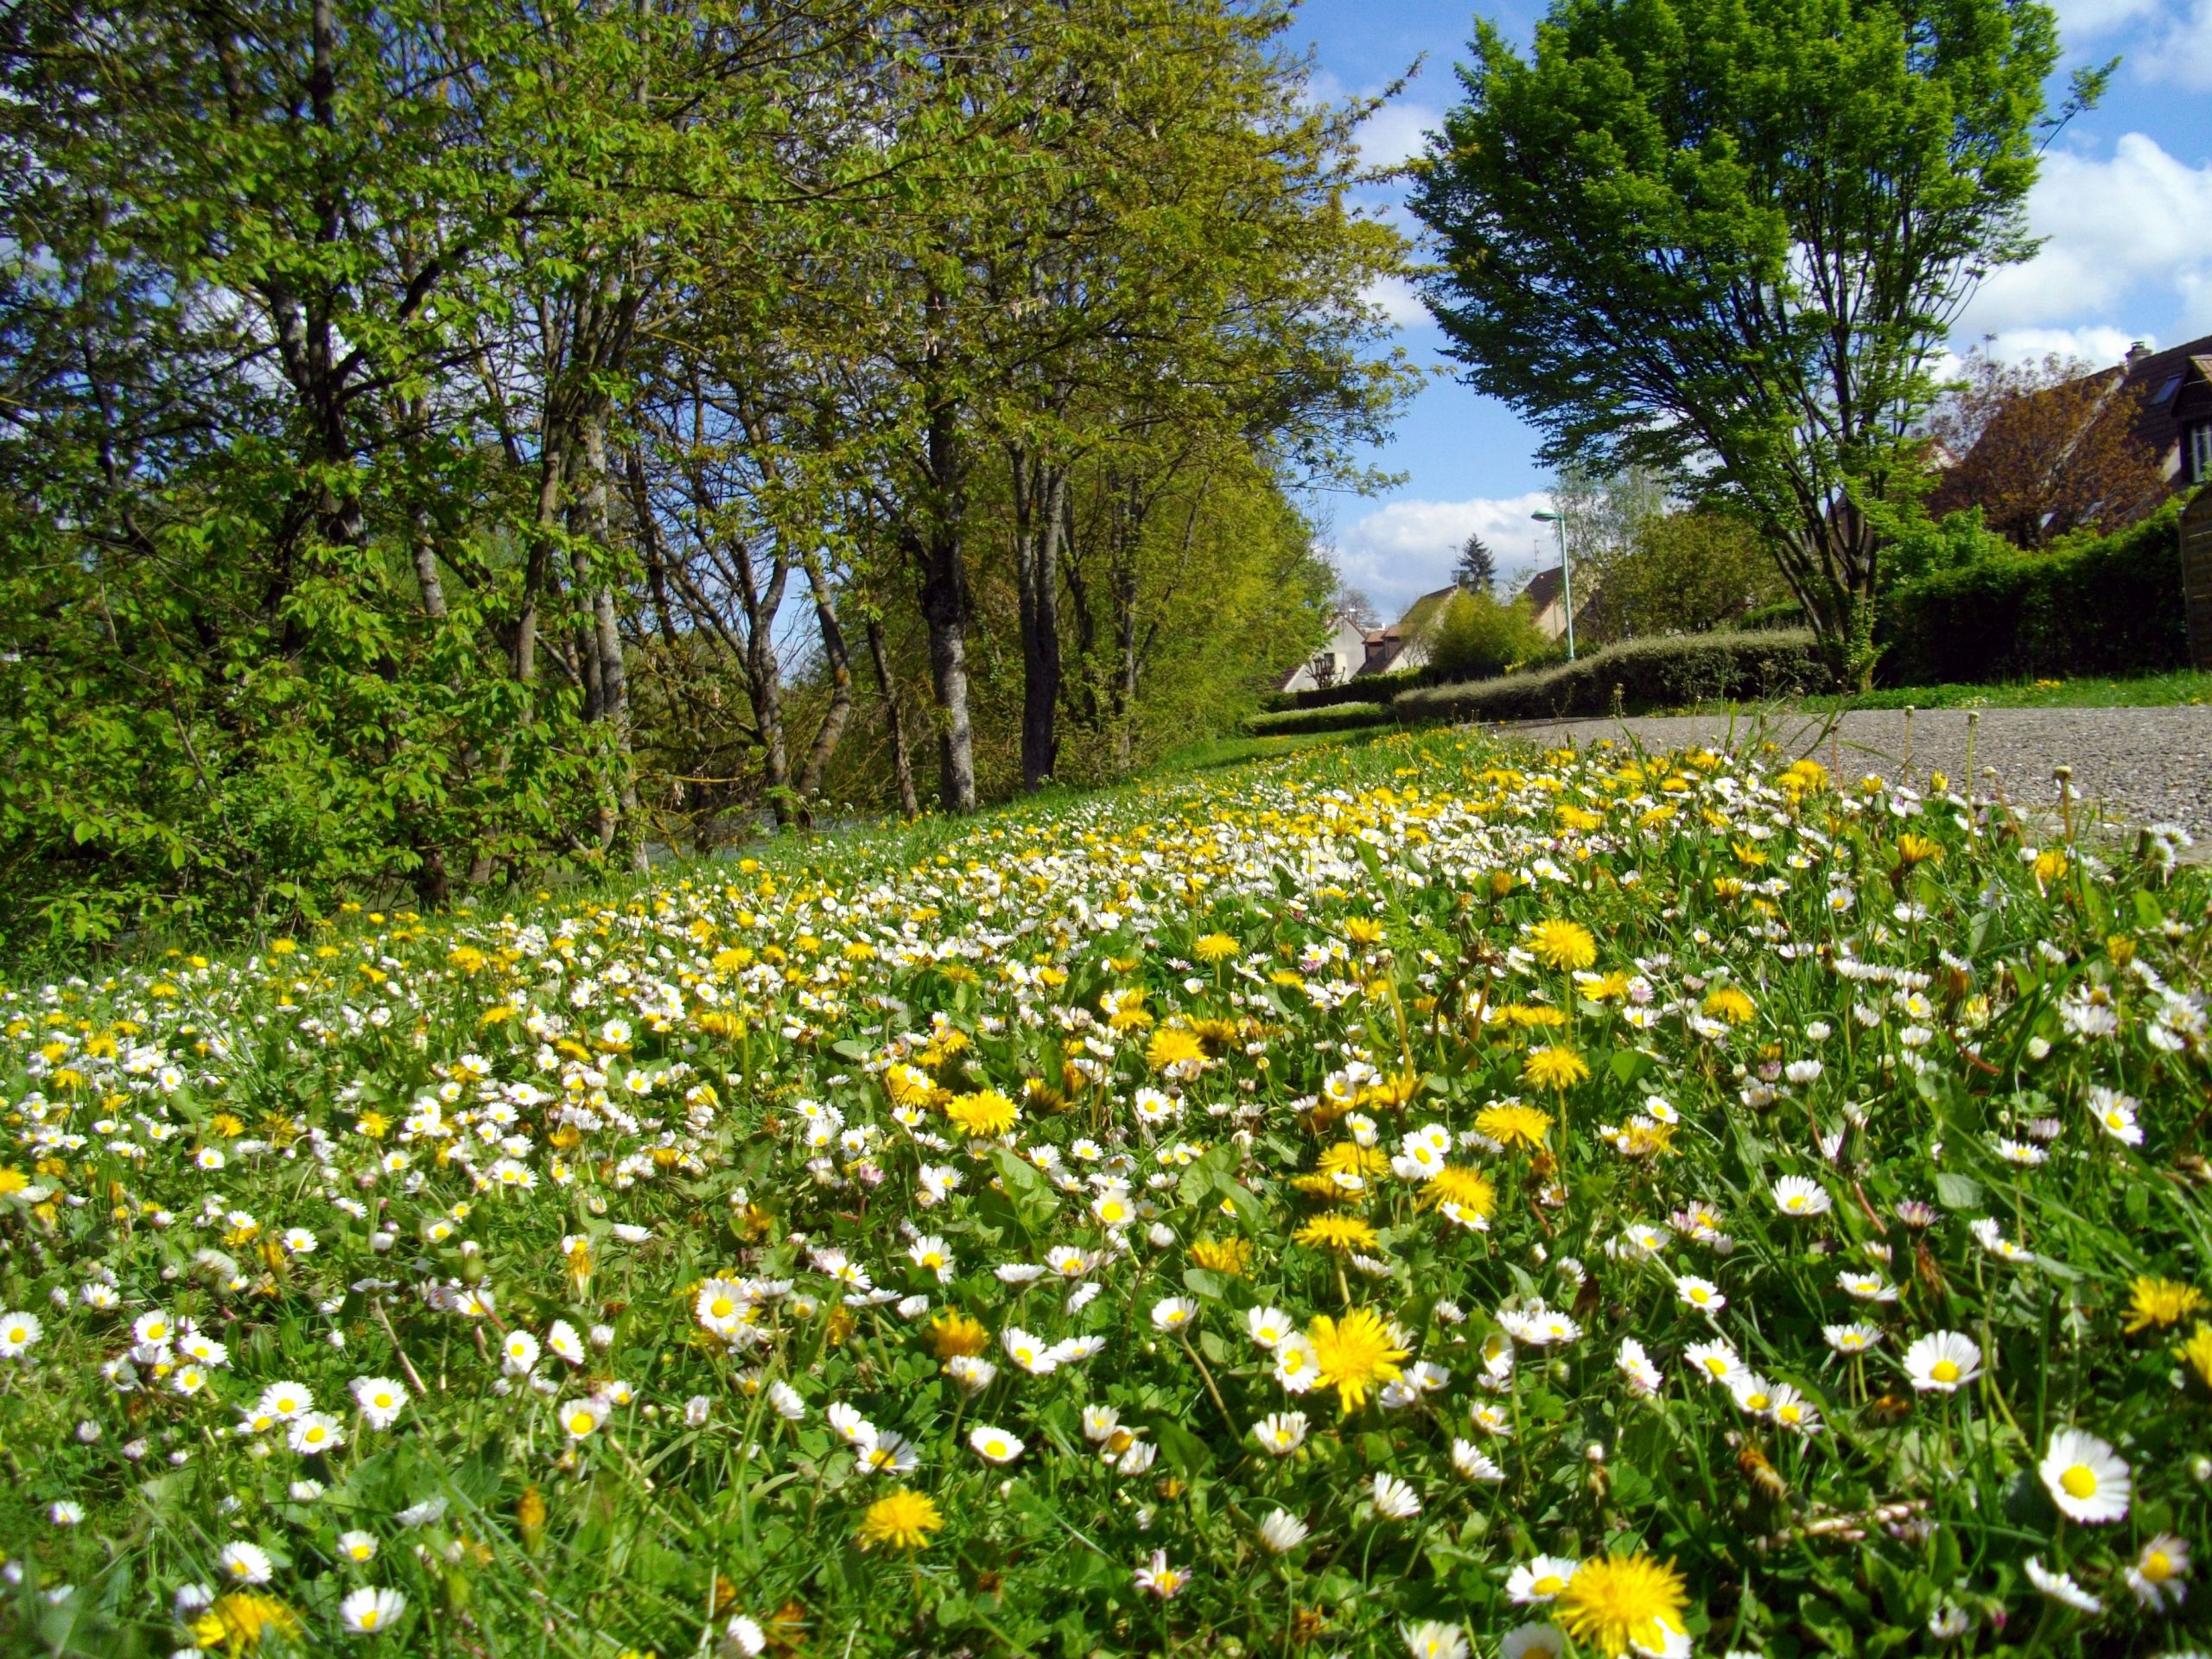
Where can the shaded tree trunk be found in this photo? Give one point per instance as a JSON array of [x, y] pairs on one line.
[[902, 764], [1039, 498], [839, 659]]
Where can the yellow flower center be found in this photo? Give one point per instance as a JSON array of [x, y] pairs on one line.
[[1550, 1585], [2080, 1481], [2157, 1565], [1944, 1370]]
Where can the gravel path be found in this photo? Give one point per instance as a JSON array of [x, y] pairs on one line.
[[2144, 765]]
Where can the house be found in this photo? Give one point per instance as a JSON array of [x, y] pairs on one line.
[[1404, 644], [1545, 596], [1334, 661], [2166, 397], [2176, 418]]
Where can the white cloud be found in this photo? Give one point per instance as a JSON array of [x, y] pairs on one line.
[[2079, 18], [1406, 548], [1397, 132], [2095, 345], [2114, 229], [1399, 300], [2182, 52]]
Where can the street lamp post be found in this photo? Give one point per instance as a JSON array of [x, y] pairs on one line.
[[1565, 575]]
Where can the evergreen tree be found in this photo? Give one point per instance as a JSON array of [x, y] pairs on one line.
[[1476, 570]]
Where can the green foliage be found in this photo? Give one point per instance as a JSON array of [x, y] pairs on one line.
[[583, 1277], [1333, 717], [420, 414], [1476, 635], [1729, 237], [1685, 572], [2090, 605], [1640, 675], [1921, 546]]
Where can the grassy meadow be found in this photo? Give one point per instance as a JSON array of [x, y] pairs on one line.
[[1404, 1197]]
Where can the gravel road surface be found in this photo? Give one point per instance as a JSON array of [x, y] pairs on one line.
[[2140, 765]]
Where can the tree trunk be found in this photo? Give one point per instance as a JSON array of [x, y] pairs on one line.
[[902, 764], [840, 661], [606, 639], [537, 560], [1039, 495], [944, 610], [944, 598]]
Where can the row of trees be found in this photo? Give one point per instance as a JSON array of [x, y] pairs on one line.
[[437, 439]]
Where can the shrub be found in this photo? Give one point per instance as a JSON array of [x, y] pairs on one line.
[[1339, 717], [2091, 605], [1650, 673], [1374, 687], [1475, 636]]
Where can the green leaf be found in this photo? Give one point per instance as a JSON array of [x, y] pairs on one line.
[[1957, 1192]]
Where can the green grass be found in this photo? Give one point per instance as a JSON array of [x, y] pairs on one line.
[[1210, 753], [2132, 692]]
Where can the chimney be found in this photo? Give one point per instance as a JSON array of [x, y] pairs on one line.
[[2136, 353]]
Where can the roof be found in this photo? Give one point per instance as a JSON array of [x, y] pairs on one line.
[[2177, 384], [2169, 392], [1542, 589], [1422, 612]]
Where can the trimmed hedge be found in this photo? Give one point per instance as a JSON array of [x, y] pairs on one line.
[[2110, 605], [1343, 716], [1375, 687], [1651, 674]]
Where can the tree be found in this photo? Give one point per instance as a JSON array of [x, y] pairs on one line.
[[1476, 570], [1355, 606], [1474, 635], [1686, 572], [1728, 236], [2043, 448]]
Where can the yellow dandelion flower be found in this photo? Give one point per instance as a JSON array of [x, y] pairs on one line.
[[1728, 1002], [1917, 849], [240, 1619], [1514, 1125], [1354, 1354], [988, 1113], [2049, 866], [1472, 1189], [1520, 1014], [1215, 947], [1555, 1066], [1338, 1233], [904, 1521], [2161, 1302], [908, 1086], [1232, 1256], [1617, 1601], [1173, 1045], [1562, 944], [2197, 1353], [955, 1335], [1350, 1158]]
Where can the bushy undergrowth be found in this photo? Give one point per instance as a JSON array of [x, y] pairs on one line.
[[2091, 605], [1641, 674], [1330, 717], [1421, 1198]]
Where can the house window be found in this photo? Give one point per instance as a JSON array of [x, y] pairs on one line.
[[2200, 453]]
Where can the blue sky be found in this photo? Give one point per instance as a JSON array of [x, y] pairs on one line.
[[2124, 203]]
